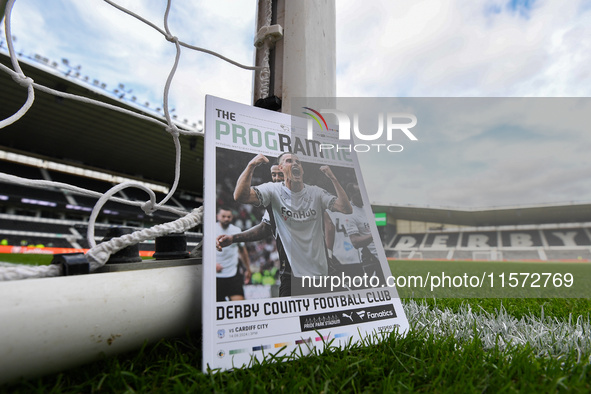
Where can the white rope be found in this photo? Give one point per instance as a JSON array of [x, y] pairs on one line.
[[151, 205], [8, 31], [98, 255], [147, 207], [265, 73], [22, 80], [45, 89], [111, 107], [18, 76], [84, 192], [165, 34], [172, 129], [18, 272]]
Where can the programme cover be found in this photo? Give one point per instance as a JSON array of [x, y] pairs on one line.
[[300, 262]]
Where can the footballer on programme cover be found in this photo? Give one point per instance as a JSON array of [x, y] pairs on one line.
[[292, 258]]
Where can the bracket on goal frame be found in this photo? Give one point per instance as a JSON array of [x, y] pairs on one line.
[[272, 33], [72, 263]]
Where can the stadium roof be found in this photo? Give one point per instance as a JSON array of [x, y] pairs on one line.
[[502, 216], [85, 135]]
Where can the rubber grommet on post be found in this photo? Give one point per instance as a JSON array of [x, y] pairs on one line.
[[72, 263]]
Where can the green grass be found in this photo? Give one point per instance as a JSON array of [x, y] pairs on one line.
[[419, 362], [520, 307], [492, 279], [32, 259]]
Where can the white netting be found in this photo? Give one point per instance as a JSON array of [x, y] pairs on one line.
[[98, 255]]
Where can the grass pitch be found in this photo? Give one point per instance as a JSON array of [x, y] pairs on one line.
[[435, 356], [419, 362], [29, 259]]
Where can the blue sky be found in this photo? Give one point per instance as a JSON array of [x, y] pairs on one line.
[[389, 48]]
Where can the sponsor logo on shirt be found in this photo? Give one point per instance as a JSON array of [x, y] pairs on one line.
[[304, 214]]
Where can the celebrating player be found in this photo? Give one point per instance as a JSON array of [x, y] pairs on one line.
[[296, 211]]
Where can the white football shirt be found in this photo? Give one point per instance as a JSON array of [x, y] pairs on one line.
[[229, 255], [342, 248], [298, 224], [356, 223]]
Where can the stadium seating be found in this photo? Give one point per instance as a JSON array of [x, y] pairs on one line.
[[552, 242], [34, 216], [53, 218]]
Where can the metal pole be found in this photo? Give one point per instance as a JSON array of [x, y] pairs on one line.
[[304, 61], [51, 324], [309, 58]]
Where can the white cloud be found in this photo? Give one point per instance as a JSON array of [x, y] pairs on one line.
[[453, 48], [115, 48], [457, 48], [486, 151]]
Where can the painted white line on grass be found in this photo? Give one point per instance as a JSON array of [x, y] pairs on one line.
[[547, 336]]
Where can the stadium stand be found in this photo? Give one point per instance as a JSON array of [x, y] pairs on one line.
[[78, 144], [111, 145], [527, 242], [53, 218], [86, 183]]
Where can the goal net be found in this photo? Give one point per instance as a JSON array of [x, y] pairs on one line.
[[188, 219]]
